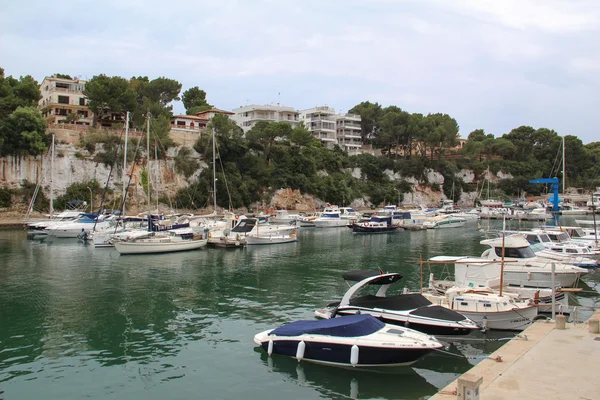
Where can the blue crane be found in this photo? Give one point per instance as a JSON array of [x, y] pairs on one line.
[[554, 182]]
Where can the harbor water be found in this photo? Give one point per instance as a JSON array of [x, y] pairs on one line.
[[81, 322]]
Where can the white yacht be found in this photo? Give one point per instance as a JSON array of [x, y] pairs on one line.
[[525, 268]]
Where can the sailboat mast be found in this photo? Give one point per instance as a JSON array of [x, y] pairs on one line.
[[52, 178], [564, 175], [503, 250], [125, 162], [148, 158], [214, 170]]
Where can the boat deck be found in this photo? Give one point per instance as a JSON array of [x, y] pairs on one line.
[[550, 364]]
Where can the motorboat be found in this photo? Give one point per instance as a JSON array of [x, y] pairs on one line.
[[376, 224], [39, 229], [331, 217], [235, 236], [487, 307], [558, 246], [525, 268], [174, 240], [444, 221], [283, 217], [85, 222], [352, 341], [406, 309]]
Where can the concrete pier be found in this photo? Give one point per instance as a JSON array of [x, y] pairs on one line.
[[551, 364]]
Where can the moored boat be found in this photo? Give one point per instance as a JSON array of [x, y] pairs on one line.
[[355, 341]]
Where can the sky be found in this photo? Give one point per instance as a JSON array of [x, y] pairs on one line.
[[490, 64]]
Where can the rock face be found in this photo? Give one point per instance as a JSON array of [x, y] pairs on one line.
[[73, 164]]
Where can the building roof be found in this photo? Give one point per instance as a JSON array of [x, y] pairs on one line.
[[214, 110]]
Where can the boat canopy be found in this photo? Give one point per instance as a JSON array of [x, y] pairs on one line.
[[349, 326], [361, 274]]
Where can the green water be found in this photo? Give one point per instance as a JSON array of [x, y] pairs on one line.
[[79, 322]]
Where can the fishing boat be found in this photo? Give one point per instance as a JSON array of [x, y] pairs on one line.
[[352, 341], [376, 224], [487, 307], [260, 238], [406, 309], [174, 240]]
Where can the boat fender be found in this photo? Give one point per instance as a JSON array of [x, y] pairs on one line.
[[238, 238], [209, 235], [354, 355], [300, 350], [528, 275], [484, 323], [270, 347]]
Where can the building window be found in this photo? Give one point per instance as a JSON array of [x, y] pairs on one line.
[[180, 123], [63, 99], [82, 101]]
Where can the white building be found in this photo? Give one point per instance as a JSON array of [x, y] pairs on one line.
[[321, 122], [348, 132], [246, 117], [61, 97]]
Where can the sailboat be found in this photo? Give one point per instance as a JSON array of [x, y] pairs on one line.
[[180, 239]]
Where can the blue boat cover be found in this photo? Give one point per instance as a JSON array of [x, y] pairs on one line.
[[349, 326]]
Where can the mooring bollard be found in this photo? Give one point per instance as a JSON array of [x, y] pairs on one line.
[[594, 325], [468, 387], [561, 322]]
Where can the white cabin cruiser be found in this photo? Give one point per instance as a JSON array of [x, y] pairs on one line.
[[445, 221], [526, 269], [353, 341]]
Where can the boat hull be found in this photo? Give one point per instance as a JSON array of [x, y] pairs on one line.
[[265, 240], [158, 247], [540, 279], [371, 229], [514, 320]]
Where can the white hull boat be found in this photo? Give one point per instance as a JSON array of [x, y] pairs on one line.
[[260, 239], [353, 341], [487, 308], [154, 246]]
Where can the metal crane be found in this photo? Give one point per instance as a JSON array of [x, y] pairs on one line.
[[554, 182]]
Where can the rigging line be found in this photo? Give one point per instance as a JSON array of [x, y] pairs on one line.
[[135, 157], [224, 177], [112, 165]]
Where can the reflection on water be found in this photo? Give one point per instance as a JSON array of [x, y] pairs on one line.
[[342, 383], [83, 322]]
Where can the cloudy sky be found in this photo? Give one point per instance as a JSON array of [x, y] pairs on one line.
[[490, 64]]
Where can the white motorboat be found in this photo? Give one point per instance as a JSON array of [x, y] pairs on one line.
[[283, 217], [526, 269], [487, 307], [86, 222], [331, 218], [163, 242], [353, 341], [236, 236], [412, 310], [39, 229], [444, 221]]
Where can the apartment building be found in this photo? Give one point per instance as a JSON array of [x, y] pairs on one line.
[[348, 132], [62, 97], [322, 123], [246, 117]]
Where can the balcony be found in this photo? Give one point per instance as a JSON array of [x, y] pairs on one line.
[[64, 90]]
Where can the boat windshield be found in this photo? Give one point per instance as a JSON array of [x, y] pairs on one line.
[[515, 252]]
